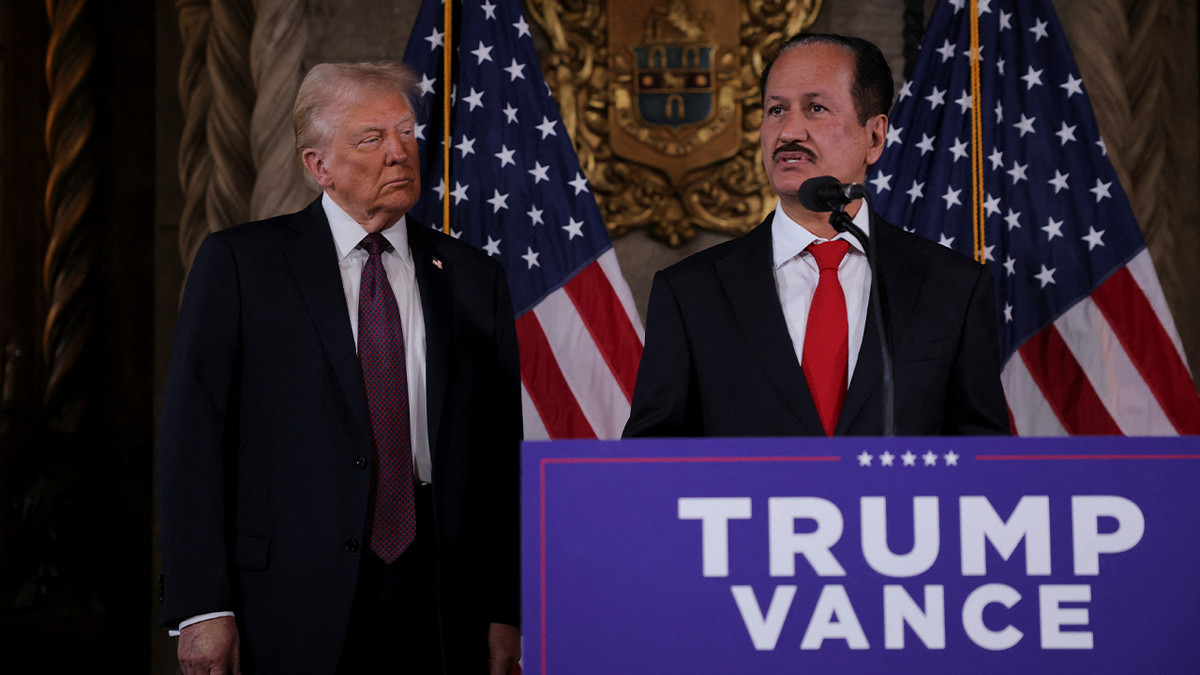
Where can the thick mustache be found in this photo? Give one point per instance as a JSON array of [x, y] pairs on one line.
[[794, 147]]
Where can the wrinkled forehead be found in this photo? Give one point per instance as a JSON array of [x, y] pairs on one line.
[[368, 101]]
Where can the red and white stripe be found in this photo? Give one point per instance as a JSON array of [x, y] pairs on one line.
[[580, 349], [1112, 364]]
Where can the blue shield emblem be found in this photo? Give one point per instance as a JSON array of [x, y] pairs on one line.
[[674, 83]]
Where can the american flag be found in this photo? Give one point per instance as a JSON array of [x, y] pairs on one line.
[[1086, 337], [517, 192]]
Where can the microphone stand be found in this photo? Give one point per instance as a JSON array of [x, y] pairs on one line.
[[841, 221]]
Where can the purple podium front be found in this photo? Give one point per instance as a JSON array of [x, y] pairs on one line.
[[913, 555]]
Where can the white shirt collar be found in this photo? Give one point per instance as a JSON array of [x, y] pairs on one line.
[[789, 239], [347, 233]]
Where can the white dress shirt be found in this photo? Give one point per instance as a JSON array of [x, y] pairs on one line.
[[796, 275], [398, 264]]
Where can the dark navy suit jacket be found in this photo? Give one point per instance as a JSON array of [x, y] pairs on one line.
[[719, 360], [265, 443]]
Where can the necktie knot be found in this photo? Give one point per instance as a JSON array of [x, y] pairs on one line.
[[375, 243], [829, 254]]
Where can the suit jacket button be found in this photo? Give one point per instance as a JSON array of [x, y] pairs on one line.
[[351, 546], [360, 462]]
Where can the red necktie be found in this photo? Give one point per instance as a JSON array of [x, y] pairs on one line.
[[381, 352], [826, 337]]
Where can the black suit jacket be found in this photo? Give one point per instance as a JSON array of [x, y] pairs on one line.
[[719, 360], [265, 453]]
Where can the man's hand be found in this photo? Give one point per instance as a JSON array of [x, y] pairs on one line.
[[210, 648], [504, 648]]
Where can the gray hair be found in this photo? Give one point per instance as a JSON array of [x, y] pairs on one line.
[[329, 83]]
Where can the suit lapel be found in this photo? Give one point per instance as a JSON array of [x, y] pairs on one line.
[[899, 282], [749, 283], [313, 259], [437, 307]]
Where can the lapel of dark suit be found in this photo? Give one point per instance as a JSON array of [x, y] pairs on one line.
[[747, 276], [312, 256], [437, 306], [900, 280]]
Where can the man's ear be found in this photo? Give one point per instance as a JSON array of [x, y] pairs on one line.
[[314, 161], [877, 128]]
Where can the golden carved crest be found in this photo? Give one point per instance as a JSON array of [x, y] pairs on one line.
[[661, 100]]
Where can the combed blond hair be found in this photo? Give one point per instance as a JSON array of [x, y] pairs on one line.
[[328, 84]]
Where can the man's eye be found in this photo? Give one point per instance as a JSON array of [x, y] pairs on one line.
[[776, 109], [817, 107]]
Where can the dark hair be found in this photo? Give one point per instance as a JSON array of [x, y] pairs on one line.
[[873, 87]]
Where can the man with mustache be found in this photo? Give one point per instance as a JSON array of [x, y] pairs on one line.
[[340, 433], [771, 335]]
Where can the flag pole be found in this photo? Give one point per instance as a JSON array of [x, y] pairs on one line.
[[446, 87], [977, 214]]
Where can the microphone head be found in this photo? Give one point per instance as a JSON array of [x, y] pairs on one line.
[[810, 193]]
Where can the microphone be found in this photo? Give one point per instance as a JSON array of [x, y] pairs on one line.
[[826, 193]]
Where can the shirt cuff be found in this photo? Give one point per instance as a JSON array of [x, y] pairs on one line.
[[196, 619]]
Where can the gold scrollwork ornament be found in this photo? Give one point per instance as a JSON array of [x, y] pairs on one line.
[[661, 100]]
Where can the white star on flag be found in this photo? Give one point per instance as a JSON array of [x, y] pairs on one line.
[[938, 97], [466, 146], [573, 228], [498, 201], [886, 459], [947, 50], [1059, 181], [951, 197], [1039, 30], [909, 458], [881, 182], [1046, 276], [917, 191], [1053, 229], [535, 215], [1094, 238], [482, 53], [926, 144], [505, 156], [539, 172], [516, 70], [580, 183], [864, 459], [930, 458]]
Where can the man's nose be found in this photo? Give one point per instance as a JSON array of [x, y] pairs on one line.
[[394, 150], [794, 128]]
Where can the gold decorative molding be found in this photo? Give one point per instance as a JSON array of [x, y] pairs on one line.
[[661, 100]]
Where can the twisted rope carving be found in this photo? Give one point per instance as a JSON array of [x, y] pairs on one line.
[[229, 117], [276, 61], [914, 33], [1151, 155], [70, 120], [195, 96]]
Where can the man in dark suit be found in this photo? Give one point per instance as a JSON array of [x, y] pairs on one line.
[[770, 334], [341, 422]]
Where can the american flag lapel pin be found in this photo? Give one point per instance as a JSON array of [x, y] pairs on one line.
[[437, 262]]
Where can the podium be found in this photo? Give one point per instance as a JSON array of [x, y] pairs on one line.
[[872, 555]]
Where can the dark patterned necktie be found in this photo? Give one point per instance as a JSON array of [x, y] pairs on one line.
[[826, 336], [381, 352]]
